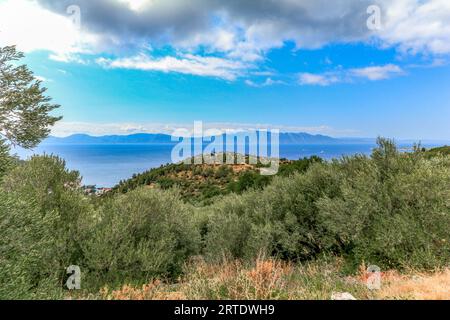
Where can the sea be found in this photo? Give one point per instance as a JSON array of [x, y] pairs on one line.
[[106, 165]]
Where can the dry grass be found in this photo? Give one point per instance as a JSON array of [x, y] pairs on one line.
[[270, 279], [266, 279], [435, 286], [153, 291]]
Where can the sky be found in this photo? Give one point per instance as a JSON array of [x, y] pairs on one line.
[[347, 68]]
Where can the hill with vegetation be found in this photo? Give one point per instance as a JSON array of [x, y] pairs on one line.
[[445, 150], [199, 184]]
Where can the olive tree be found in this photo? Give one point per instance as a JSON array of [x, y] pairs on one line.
[[24, 108]]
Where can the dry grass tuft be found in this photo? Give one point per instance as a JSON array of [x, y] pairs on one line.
[[153, 291], [434, 286], [267, 277], [234, 280]]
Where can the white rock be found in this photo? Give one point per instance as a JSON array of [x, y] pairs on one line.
[[342, 296]]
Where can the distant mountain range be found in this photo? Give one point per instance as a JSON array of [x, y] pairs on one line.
[[147, 138], [142, 138]]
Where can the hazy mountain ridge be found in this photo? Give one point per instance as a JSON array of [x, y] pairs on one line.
[[148, 138], [109, 139]]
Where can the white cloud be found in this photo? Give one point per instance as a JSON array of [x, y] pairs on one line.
[[372, 73], [185, 64], [30, 27], [317, 79], [67, 58], [216, 40], [377, 72], [267, 83], [417, 26], [43, 79], [135, 5]]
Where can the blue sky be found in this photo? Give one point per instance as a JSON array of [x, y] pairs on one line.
[[241, 67]]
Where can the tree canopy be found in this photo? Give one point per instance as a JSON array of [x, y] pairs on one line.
[[24, 108]]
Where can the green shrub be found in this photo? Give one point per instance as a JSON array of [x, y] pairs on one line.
[[6, 161], [27, 269], [281, 220], [394, 210], [227, 229], [301, 165], [53, 191], [249, 180], [445, 150], [139, 236], [223, 172], [166, 183], [45, 179]]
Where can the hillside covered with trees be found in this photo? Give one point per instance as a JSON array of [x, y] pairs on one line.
[[199, 184]]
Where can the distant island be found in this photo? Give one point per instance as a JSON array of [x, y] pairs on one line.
[[286, 138], [149, 138]]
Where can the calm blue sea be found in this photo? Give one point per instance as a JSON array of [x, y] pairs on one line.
[[106, 165]]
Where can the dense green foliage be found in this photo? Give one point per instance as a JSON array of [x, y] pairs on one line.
[[139, 236], [47, 224], [33, 239], [24, 109], [26, 264], [56, 211], [6, 161], [391, 209]]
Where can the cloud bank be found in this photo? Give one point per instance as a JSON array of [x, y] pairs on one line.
[[247, 28], [222, 39]]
